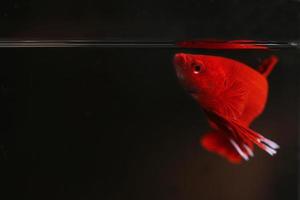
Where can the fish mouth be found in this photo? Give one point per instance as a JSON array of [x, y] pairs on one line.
[[179, 62], [180, 75]]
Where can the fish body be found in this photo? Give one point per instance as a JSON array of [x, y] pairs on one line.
[[232, 95]]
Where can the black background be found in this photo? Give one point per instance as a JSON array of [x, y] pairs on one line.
[[156, 19], [114, 123]]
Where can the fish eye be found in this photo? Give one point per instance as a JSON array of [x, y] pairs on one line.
[[198, 68]]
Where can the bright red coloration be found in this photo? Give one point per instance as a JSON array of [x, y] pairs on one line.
[[215, 44], [232, 95]]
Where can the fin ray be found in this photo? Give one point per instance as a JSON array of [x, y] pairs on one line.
[[243, 133]]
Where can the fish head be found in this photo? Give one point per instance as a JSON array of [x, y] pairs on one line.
[[199, 74]]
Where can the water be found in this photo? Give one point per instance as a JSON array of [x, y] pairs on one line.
[[114, 123], [194, 44]]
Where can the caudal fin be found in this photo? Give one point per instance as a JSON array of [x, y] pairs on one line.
[[247, 134], [239, 135], [219, 143], [268, 65]]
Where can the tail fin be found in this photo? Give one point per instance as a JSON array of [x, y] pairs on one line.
[[219, 143], [267, 65], [247, 134], [243, 135]]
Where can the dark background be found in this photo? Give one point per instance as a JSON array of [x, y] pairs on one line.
[[155, 19], [91, 123]]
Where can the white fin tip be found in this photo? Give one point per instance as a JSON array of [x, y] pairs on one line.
[[250, 152], [270, 151], [238, 149], [270, 143]]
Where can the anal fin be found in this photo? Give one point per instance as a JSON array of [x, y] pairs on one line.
[[219, 143]]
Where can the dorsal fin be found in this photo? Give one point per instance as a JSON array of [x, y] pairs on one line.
[[267, 65]]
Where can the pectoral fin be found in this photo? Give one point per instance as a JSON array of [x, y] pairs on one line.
[[231, 102]]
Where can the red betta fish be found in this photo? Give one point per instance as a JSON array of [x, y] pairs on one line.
[[232, 95]]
